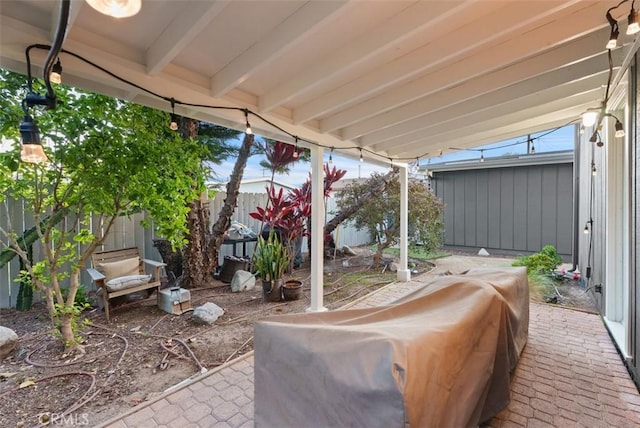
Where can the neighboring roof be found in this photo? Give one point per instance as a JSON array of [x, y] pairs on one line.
[[501, 162], [341, 184]]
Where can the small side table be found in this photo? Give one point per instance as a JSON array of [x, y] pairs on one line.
[[242, 241]]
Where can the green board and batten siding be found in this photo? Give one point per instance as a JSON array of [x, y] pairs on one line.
[[515, 208]]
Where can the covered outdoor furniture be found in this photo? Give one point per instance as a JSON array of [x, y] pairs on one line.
[[121, 272], [439, 357]]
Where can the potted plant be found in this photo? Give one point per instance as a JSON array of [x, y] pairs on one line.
[[270, 262]]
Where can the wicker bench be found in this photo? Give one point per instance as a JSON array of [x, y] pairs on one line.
[[121, 272]]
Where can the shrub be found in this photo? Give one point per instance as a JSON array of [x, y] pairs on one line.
[[546, 261]]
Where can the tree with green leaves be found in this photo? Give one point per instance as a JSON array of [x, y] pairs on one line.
[[380, 213], [107, 158]]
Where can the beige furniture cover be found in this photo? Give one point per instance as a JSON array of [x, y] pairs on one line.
[[439, 357]]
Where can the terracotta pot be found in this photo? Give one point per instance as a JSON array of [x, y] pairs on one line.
[[272, 290], [292, 289]]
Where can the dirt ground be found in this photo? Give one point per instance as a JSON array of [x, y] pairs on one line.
[[144, 351]]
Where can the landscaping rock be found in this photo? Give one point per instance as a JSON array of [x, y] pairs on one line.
[[393, 267], [483, 252], [8, 341], [207, 313], [242, 281]]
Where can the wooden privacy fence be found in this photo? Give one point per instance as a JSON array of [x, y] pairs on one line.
[[127, 232]]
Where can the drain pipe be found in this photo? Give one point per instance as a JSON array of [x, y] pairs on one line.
[[576, 197]]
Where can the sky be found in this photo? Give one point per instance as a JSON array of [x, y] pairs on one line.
[[546, 141]]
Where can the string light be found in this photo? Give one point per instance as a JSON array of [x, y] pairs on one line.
[[56, 73], [173, 125], [31, 151], [331, 156], [533, 148], [632, 20], [361, 159], [481, 156], [248, 130], [619, 129], [613, 37], [586, 228], [296, 154]]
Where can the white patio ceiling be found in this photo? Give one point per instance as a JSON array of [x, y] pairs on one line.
[[397, 78]]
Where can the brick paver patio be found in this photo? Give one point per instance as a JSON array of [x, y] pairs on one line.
[[569, 375]]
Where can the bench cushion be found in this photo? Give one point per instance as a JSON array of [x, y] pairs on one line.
[[124, 282], [120, 268]]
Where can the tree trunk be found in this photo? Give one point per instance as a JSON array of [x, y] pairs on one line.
[[66, 330], [196, 263], [376, 188], [233, 187], [172, 258], [196, 260], [25, 294]]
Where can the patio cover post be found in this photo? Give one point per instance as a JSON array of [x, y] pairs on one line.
[[404, 274], [317, 229]]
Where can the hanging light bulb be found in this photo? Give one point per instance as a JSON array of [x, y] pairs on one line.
[[416, 166], [248, 130], [32, 151], [116, 8], [533, 148], [586, 228], [594, 172], [173, 125], [589, 118], [56, 73], [331, 156], [174, 122], [594, 137], [296, 154], [361, 159], [581, 129], [632, 20], [390, 164], [481, 156], [613, 37], [619, 129]]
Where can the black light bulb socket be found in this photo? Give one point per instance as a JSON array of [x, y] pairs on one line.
[[594, 137], [619, 126], [57, 67], [633, 16], [29, 132]]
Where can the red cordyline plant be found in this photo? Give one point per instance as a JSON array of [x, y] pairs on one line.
[[288, 214]]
